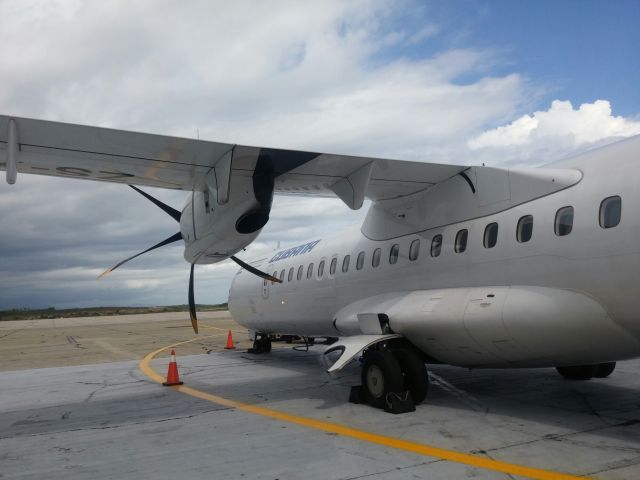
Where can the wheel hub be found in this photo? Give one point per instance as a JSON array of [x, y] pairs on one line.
[[375, 381]]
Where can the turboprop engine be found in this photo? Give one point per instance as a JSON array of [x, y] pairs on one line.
[[213, 230]]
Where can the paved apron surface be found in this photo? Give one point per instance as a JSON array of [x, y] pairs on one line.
[[110, 421]]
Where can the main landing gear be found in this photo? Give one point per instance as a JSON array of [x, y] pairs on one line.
[[587, 372], [394, 378]]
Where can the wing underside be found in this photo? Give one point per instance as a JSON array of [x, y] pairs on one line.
[[102, 154]]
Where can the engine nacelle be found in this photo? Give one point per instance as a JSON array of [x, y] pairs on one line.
[[213, 232], [496, 326]]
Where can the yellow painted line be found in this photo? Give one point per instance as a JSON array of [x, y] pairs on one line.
[[405, 445]]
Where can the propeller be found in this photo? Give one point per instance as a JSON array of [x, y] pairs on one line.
[[254, 270], [175, 214], [173, 238], [192, 303]]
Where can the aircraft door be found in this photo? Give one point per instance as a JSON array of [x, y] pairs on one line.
[[265, 289]]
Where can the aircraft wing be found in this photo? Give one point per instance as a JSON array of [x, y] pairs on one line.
[[93, 153]]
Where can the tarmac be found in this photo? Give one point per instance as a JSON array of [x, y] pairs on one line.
[[281, 416]]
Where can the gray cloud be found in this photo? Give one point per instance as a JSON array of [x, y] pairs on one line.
[[292, 74]]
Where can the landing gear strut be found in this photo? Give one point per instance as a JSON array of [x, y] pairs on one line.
[[261, 344], [394, 379]]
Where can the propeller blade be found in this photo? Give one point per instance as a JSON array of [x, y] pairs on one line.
[[173, 238], [172, 212], [254, 270], [192, 303]]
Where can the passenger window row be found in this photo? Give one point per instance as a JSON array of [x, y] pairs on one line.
[[394, 252], [609, 216]]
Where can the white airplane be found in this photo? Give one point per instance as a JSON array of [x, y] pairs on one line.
[[468, 266]]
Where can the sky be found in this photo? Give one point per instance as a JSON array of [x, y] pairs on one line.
[[467, 82]]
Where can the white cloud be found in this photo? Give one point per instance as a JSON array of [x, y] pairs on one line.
[[555, 131]]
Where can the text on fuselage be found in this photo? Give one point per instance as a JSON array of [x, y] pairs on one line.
[[294, 251]]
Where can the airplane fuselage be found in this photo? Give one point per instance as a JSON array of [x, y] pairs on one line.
[[546, 298]]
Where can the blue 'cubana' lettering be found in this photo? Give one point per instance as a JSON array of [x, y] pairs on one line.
[[292, 252]]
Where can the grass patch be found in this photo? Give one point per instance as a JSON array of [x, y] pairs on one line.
[[45, 313]]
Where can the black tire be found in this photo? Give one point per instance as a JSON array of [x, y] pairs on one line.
[[414, 373], [381, 374], [262, 345], [578, 372], [603, 370]]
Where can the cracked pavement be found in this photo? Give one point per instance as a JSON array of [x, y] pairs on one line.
[[107, 420]]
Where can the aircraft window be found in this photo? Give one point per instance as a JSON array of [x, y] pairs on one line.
[[282, 275], [564, 221], [375, 260], [290, 276], [525, 229], [490, 235], [414, 249], [320, 269], [300, 270], [436, 245], [610, 212], [360, 261], [461, 240], [310, 270], [275, 275], [393, 253], [345, 263], [332, 267]]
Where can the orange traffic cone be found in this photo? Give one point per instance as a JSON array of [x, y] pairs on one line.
[[229, 342], [173, 378]]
